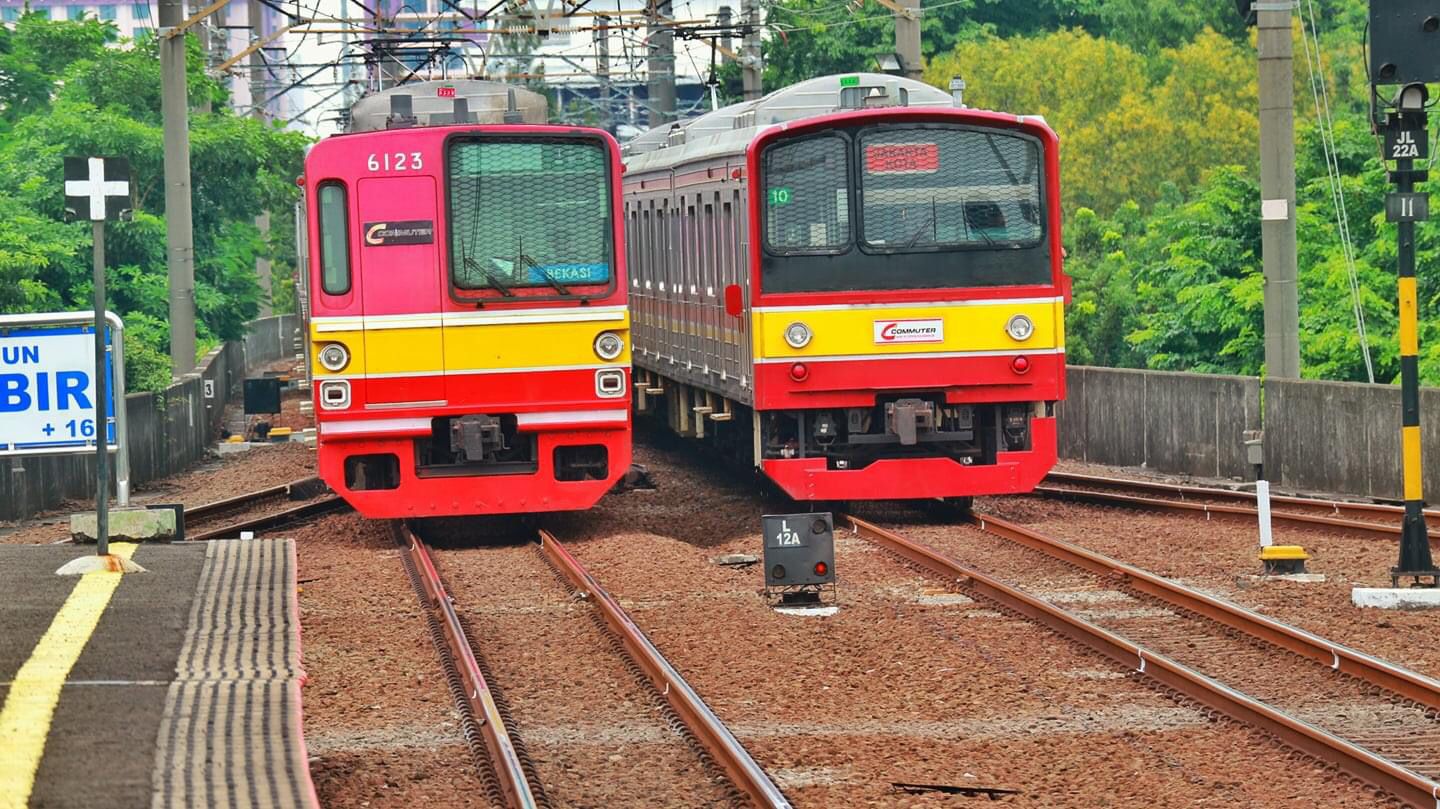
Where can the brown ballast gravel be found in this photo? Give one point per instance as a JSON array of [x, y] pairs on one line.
[[598, 737], [907, 682], [380, 725], [1220, 556]]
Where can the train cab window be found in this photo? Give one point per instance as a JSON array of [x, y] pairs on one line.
[[807, 196], [927, 188], [334, 239], [529, 213]]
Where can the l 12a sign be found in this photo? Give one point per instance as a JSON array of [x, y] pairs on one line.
[[47, 390]]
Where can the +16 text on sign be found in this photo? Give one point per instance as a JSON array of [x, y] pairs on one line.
[[47, 389]]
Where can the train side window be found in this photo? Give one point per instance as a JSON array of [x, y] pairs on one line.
[[645, 248], [334, 239], [712, 247], [727, 239]]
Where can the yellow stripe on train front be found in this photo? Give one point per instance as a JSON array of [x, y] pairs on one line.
[[935, 328], [470, 347]]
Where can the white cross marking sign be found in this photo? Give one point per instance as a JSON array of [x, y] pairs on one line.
[[97, 188]]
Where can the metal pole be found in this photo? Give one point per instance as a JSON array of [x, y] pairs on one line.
[[907, 39], [752, 63], [723, 18], [1277, 190], [1414, 537], [661, 65], [259, 89], [602, 70], [102, 448], [122, 424], [178, 229]]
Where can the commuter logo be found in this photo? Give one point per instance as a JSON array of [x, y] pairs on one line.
[[909, 331], [384, 234]]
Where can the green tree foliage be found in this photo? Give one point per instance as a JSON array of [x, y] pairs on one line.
[[816, 37], [65, 89], [1181, 287], [1130, 123]]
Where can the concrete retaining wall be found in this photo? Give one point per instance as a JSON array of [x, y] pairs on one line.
[[1344, 437], [1334, 437], [168, 431], [1169, 422]]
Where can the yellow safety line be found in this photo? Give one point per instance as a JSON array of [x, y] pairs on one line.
[[30, 705]]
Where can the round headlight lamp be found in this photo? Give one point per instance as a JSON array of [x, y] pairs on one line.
[[797, 335], [334, 357], [609, 345], [1020, 328]]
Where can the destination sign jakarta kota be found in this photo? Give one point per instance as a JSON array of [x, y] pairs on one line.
[[47, 389]]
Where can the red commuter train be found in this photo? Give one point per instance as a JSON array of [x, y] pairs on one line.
[[468, 332], [854, 284]]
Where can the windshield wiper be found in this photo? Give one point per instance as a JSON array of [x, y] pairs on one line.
[[490, 279], [559, 287], [988, 241], [928, 223]]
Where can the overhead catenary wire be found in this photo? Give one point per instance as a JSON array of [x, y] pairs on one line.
[[1325, 125]]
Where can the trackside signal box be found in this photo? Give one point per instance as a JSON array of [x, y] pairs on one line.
[[799, 557]]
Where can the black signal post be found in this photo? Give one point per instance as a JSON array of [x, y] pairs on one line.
[[1406, 140], [1405, 54]]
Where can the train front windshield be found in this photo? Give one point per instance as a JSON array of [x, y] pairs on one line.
[[527, 213], [896, 207]]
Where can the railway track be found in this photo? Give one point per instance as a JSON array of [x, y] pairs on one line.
[[222, 519], [506, 770], [1372, 720], [489, 724], [1369, 519]]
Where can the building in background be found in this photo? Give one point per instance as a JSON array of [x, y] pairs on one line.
[[306, 79], [227, 31]]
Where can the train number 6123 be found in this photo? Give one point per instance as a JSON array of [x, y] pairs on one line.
[[400, 161]]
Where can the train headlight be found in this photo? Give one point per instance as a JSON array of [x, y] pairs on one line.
[[1020, 328], [798, 335], [609, 345], [334, 357]]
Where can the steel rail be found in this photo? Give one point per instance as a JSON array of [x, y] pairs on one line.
[[504, 758], [732, 757], [1399, 781], [1160, 504], [240, 500], [289, 515], [1404, 682], [1335, 507]]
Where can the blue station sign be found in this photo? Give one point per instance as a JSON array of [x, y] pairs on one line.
[[47, 389]]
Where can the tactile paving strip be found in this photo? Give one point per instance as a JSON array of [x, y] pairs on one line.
[[230, 736]]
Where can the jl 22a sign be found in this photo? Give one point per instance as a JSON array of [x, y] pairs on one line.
[[1406, 144]]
